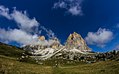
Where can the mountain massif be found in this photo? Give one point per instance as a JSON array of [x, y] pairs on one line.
[[74, 45]]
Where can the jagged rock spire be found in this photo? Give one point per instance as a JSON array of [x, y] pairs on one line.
[[76, 41]]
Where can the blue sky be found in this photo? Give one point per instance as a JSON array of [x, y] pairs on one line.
[[96, 20]]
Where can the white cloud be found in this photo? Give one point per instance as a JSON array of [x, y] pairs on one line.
[[99, 38], [17, 35], [21, 18], [24, 21], [4, 12], [60, 4], [22, 37], [27, 29], [72, 6], [75, 10]]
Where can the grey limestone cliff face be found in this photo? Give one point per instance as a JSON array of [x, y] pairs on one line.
[[76, 41]]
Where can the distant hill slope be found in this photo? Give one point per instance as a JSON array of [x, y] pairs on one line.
[[11, 51]]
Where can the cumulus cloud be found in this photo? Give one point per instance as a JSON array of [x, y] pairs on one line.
[[17, 35], [27, 31], [24, 22], [99, 38], [22, 37], [21, 18], [72, 6]]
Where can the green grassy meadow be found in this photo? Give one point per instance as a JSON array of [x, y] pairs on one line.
[[9, 64]]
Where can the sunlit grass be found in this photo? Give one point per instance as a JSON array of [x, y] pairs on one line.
[[12, 66], [108, 67]]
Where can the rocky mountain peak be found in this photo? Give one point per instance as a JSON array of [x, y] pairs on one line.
[[42, 38], [76, 41]]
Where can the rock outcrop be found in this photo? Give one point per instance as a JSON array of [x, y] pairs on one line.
[[76, 41]]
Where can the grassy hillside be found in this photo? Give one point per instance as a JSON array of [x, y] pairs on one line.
[[108, 67], [10, 65], [10, 51]]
